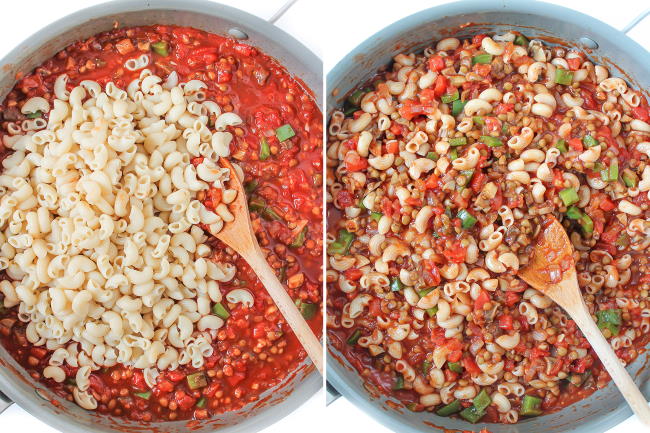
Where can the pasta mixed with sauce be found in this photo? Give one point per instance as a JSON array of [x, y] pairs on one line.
[[440, 172]]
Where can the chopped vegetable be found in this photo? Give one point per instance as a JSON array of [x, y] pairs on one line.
[[197, 380], [352, 340], [307, 310], [561, 144], [251, 186], [34, 115], [482, 400], [472, 414], [432, 311], [453, 154], [587, 223], [573, 213], [299, 240], [531, 406], [426, 365], [433, 156], [399, 383], [569, 196], [564, 77], [457, 107], [491, 141], [424, 292], [161, 48], [265, 150], [483, 59], [145, 395], [450, 409], [355, 98], [611, 173], [220, 310], [259, 205], [609, 319], [201, 403], [342, 243], [284, 132], [396, 284], [376, 216], [521, 40], [478, 120], [590, 141], [457, 141], [455, 367], [467, 219], [623, 240], [468, 175], [630, 178], [450, 97]]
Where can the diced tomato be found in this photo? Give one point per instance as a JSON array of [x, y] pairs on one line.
[[392, 146], [396, 129], [410, 109], [536, 352], [482, 299], [450, 376], [482, 69], [438, 337], [606, 204], [497, 201], [375, 307], [504, 108], [432, 275], [428, 97], [590, 102], [505, 322], [478, 180], [245, 50], [354, 162], [581, 365], [509, 365], [612, 232], [235, 379], [440, 85], [512, 298], [211, 389], [196, 161], [164, 386], [353, 274], [557, 366], [125, 46], [214, 195], [436, 63], [455, 253], [477, 39], [492, 123], [641, 113], [185, 402], [345, 198], [574, 63], [576, 144], [138, 380], [432, 182], [175, 376], [470, 366]]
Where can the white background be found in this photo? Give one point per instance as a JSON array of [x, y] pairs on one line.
[[16, 28], [355, 20], [341, 415]]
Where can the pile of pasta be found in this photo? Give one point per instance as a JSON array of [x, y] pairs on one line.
[[99, 226]]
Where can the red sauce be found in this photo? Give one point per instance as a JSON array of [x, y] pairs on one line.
[[255, 350]]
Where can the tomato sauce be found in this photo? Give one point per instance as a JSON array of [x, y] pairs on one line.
[[255, 350]]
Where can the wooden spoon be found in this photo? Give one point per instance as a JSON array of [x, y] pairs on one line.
[[551, 270], [239, 236]]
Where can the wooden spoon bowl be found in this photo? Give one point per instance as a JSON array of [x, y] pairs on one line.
[[240, 236], [551, 270]]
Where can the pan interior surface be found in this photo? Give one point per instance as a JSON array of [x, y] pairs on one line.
[[556, 26], [300, 384]]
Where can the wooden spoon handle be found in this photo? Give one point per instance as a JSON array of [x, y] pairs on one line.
[[287, 307], [614, 367]]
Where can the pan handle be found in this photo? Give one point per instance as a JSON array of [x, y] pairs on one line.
[[5, 402], [332, 394], [636, 21], [285, 7]]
